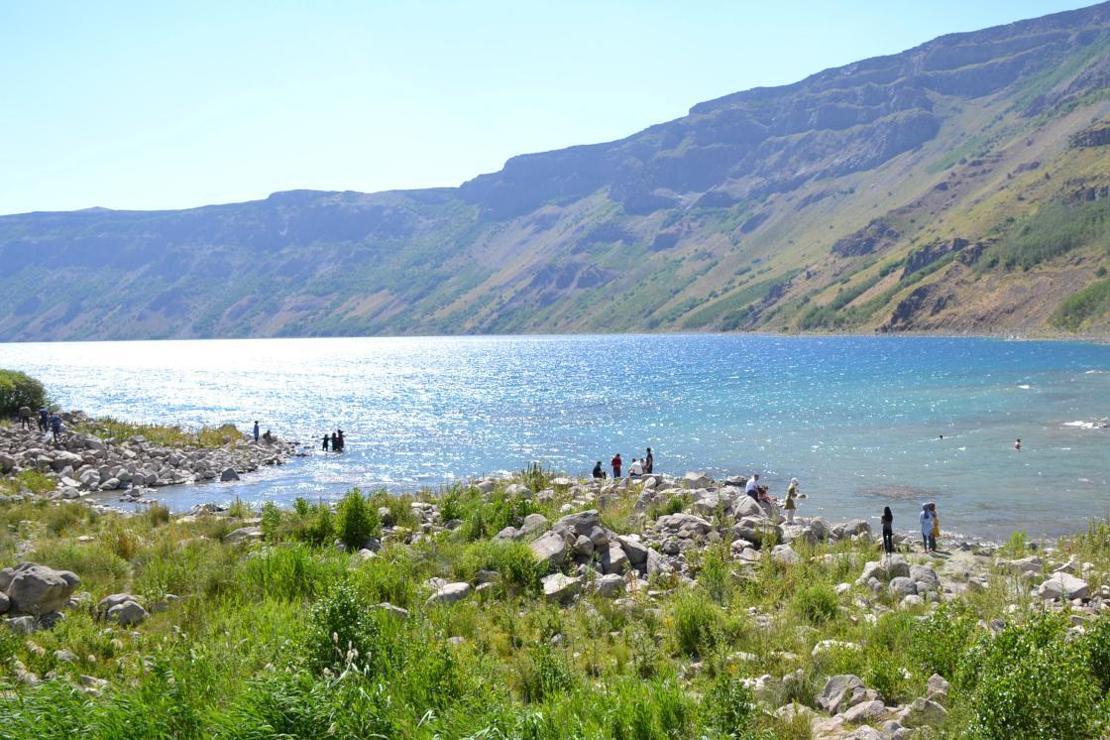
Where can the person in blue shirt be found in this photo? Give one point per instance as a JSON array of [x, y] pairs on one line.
[[256, 430], [927, 537]]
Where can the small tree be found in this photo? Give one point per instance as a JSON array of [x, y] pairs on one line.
[[357, 522], [19, 389]]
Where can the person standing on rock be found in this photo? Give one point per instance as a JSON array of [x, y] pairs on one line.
[[790, 504], [56, 427], [24, 417], [256, 430], [334, 442], [888, 530], [616, 464], [44, 420], [927, 528], [598, 473], [326, 445], [342, 441], [649, 463]]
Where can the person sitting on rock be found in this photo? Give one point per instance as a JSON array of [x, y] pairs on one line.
[[616, 462], [598, 472], [752, 487], [636, 469], [24, 417], [326, 444], [268, 437]]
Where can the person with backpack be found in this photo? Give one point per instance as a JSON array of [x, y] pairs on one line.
[[24, 417]]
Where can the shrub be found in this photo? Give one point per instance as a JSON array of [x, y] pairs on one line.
[[513, 561], [1090, 301], [715, 575], [19, 389], [157, 514], [291, 572], [1030, 681], [355, 521], [543, 672], [728, 705], [319, 528], [940, 641], [1016, 546], [817, 603], [1097, 644], [271, 521], [673, 505], [697, 623], [338, 624]]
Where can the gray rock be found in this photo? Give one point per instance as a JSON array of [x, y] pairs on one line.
[[613, 559], [392, 610], [902, 586], [127, 613], [844, 691], [22, 625], [925, 577], [583, 547], [37, 589], [1063, 586], [550, 549], [696, 480], [610, 585], [937, 687], [229, 474], [243, 534], [923, 713], [560, 588], [5, 603], [534, 524], [450, 593], [636, 551], [785, 555], [865, 711]]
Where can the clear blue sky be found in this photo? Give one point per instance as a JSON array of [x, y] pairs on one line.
[[169, 105]]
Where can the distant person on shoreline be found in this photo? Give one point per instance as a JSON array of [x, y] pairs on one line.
[[649, 463], [598, 473], [334, 442], [636, 469], [790, 504], [342, 441], [256, 430], [1017, 444], [935, 534], [888, 530], [927, 528], [616, 465], [44, 420], [24, 417], [326, 445], [752, 486], [56, 426]]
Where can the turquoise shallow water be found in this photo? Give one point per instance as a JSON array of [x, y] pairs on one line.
[[857, 419]]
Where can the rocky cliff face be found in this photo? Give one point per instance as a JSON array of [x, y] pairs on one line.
[[821, 205]]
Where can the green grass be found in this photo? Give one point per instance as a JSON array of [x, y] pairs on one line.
[[161, 434], [1091, 302], [283, 637], [1052, 230]]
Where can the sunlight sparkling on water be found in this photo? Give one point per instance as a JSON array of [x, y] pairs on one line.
[[857, 419]]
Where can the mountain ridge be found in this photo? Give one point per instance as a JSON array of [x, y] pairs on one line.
[[979, 159]]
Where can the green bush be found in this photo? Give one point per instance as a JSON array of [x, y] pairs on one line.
[[543, 672], [291, 572], [19, 389], [1097, 644], [697, 623], [1030, 681], [940, 641], [1089, 302], [1054, 229], [728, 705], [355, 521], [817, 603], [513, 561], [319, 526], [340, 627], [271, 521]]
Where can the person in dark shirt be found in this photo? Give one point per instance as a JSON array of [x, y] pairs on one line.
[[649, 462], [342, 441], [598, 472], [256, 430], [334, 442], [326, 444], [888, 530]]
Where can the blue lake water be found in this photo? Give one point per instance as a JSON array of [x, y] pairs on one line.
[[857, 419]]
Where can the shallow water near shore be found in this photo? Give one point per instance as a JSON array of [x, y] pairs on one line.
[[857, 419]]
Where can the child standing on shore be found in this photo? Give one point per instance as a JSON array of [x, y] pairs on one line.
[[935, 534]]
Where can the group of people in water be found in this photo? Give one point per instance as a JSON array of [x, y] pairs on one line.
[[47, 422], [333, 442], [638, 469]]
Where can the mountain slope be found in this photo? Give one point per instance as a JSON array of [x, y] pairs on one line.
[[959, 186]]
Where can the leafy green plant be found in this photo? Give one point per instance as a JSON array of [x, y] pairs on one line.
[[728, 705], [816, 603], [19, 389], [355, 521]]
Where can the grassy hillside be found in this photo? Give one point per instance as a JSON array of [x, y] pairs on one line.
[[958, 186]]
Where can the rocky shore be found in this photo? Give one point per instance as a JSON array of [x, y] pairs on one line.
[[81, 464]]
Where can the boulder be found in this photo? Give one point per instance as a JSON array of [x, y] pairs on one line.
[[925, 578], [820, 528], [5, 603], [395, 611], [229, 474], [243, 534], [696, 480], [583, 547], [560, 588], [1063, 586], [842, 692], [550, 549], [682, 522], [745, 505], [937, 687], [450, 593], [127, 613], [518, 489], [609, 586], [37, 589], [785, 555], [865, 711], [1023, 566], [922, 713], [636, 551], [902, 586], [613, 559], [533, 524]]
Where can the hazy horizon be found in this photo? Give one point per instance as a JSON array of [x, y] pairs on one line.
[[137, 108]]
